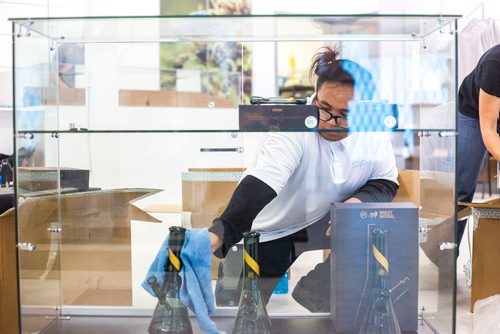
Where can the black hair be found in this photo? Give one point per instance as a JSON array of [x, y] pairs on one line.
[[326, 66]]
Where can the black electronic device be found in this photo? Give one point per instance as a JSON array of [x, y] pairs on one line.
[[278, 117]]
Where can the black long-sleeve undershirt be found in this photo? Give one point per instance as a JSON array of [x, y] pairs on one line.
[[249, 198], [252, 195], [378, 190]]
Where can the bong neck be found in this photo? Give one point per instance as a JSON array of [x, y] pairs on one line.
[[175, 243], [251, 269]]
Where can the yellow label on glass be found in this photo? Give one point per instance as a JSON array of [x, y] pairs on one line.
[[174, 260], [251, 262]]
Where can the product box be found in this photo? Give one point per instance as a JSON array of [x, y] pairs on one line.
[[485, 250], [352, 223], [45, 178]]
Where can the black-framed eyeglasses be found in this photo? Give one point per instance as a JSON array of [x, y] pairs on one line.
[[326, 116]]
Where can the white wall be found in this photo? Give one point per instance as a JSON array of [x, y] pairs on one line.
[[13, 9], [44, 8]]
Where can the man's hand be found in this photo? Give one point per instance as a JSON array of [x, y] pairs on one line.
[[350, 200], [215, 241], [353, 200]]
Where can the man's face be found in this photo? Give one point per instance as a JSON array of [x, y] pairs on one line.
[[334, 98]]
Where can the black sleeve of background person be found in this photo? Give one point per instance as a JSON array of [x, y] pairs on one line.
[[489, 74], [249, 198], [379, 190]]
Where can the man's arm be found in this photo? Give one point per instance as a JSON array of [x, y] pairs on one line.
[[279, 156], [378, 190], [489, 108], [248, 199]]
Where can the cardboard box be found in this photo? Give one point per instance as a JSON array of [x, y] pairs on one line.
[[351, 225], [45, 178], [433, 193], [409, 187], [485, 250], [206, 193], [208, 190], [8, 275], [90, 260]]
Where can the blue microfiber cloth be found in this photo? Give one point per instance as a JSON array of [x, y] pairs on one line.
[[196, 289]]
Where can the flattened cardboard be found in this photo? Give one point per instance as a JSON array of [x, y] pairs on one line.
[[95, 244]]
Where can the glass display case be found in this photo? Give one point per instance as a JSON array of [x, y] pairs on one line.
[[126, 126]]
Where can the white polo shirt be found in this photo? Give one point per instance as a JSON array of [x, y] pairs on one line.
[[309, 173]]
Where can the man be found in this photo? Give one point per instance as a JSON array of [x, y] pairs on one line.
[[287, 195]]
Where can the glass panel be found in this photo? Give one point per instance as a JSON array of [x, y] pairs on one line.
[[437, 254], [132, 125], [437, 173], [117, 239], [39, 235], [38, 218]]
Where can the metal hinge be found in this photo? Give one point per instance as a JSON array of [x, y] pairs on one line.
[[26, 246], [447, 245], [54, 229], [58, 314], [422, 230]]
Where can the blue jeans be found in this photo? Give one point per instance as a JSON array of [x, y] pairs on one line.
[[471, 153]]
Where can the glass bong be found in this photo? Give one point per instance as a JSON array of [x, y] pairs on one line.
[[170, 315], [379, 316], [252, 316]]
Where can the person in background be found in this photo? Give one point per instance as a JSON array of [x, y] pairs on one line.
[[478, 125], [70, 55], [287, 195]]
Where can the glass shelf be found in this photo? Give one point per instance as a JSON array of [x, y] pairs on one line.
[[235, 28], [441, 132]]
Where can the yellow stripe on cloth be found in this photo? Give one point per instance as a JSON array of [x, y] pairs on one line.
[[174, 260], [381, 258], [251, 262]]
